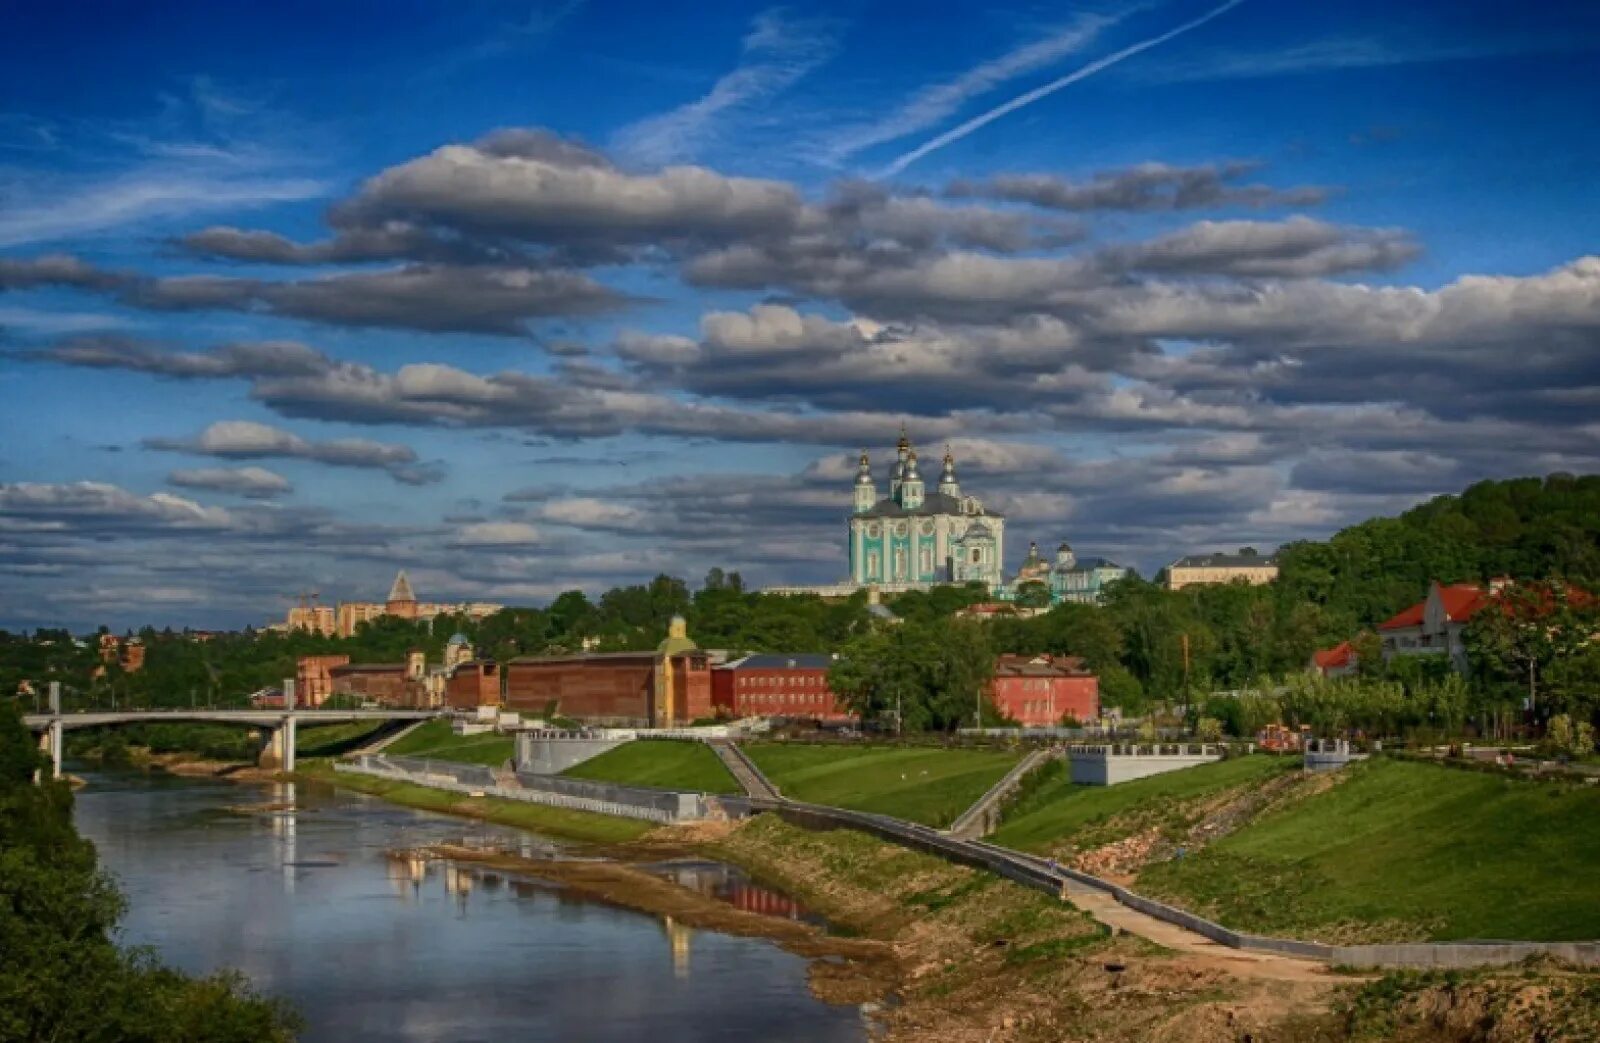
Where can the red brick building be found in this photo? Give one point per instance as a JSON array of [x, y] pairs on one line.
[[667, 688], [472, 684], [777, 685], [313, 682], [392, 684], [651, 689], [1039, 691]]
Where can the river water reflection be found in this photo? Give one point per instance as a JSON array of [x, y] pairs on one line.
[[311, 906]]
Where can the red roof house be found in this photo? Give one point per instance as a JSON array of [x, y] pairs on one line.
[[1338, 661]]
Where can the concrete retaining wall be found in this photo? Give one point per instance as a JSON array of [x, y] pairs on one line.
[[1109, 765], [603, 798], [1028, 870], [541, 753]]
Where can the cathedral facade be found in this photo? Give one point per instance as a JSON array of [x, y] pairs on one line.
[[914, 538]]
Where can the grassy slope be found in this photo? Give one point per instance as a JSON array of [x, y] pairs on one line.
[[326, 739], [558, 822], [1417, 850], [434, 739], [1055, 813], [668, 765], [931, 786]]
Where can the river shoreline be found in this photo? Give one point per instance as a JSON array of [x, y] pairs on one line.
[[957, 954], [951, 953], [844, 970]]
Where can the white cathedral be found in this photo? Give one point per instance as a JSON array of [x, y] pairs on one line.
[[913, 539]]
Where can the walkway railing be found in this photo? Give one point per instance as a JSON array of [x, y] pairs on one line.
[[981, 819], [1028, 870], [744, 771]]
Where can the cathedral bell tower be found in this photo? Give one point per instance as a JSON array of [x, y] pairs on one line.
[[866, 490]]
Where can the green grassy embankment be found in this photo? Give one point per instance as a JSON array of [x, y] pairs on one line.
[[556, 822], [1405, 850], [659, 763], [1055, 816], [328, 740], [930, 785], [435, 739]]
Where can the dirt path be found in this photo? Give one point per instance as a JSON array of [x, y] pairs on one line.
[[1207, 953]]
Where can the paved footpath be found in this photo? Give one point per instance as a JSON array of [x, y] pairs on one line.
[[1098, 903], [1245, 963]]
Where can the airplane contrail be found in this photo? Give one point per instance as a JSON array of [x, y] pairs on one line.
[[957, 133]]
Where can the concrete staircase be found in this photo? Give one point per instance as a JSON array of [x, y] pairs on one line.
[[981, 819], [744, 770]]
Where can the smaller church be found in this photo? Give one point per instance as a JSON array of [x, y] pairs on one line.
[[1069, 578], [912, 538]]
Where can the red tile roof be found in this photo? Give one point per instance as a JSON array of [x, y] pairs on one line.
[[1411, 617], [1462, 601], [1335, 658], [1012, 665]]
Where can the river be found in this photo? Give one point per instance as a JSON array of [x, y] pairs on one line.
[[313, 906]]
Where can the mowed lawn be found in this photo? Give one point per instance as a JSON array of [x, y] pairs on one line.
[[927, 785], [1402, 849], [435, 739], [1057, 814], [659, 763]]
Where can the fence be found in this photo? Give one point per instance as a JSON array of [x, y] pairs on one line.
[[1037, 873], [652, 805], [1027, 870]]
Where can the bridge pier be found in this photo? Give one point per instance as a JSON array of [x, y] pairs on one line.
[[50, 742], [278, 754]]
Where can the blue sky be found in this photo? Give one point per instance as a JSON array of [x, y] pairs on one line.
[[528, 297]]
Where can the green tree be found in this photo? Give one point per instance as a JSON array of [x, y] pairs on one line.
[[1527, 628], [1033, 594], [62, 977]]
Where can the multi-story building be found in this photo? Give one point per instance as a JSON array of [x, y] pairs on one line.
[[669, 687], [913, 538], [777, 685], [401, 603], [1043, 690], [319, 619], [1437, 624], [1247, 565], [1434, 625]]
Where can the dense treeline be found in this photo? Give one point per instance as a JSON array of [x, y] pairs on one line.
[[1525, 528], [1149, 644], [62, 977]]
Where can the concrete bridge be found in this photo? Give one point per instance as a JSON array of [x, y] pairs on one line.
[[281, 725]]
